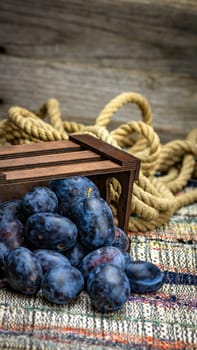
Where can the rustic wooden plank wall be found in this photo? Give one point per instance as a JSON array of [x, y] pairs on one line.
[[86, 52]]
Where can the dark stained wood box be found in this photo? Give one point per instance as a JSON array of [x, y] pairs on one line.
[[24, 166]]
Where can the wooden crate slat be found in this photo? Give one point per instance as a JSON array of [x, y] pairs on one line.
[[2, 176], [108, 151], [88, 168], [38, 148], [48, 160]]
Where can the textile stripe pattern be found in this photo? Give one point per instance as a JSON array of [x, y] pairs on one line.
[[162, 320]]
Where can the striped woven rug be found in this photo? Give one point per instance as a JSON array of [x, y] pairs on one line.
[[166, 319]]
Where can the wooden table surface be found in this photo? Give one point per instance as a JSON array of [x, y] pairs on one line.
[[86, 52]]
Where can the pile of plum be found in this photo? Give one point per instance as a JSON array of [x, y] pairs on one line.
[[61, 239]]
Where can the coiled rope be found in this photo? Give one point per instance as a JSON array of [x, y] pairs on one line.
[[155, 198]]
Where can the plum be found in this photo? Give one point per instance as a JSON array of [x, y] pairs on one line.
[[51, 231]]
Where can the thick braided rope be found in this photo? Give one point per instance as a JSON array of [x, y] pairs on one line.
[[192, 136], [152, 146], [52, 110], [33, 126], [126, 97], [118, 102], [154, 198], [177, 150]]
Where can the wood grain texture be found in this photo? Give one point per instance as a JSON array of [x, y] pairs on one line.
[[83, 91], [46, 160], [9, 152], [86, 52], [106, 150], [151, 35], [95, 155]]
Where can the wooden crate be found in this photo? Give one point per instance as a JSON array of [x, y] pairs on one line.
[[23, 166]]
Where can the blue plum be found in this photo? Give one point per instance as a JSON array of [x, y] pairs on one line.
[[76, 254], [51, 231], [3, 282], [49, 258], [70, 188], [108, 288], [12, 233], [23, 271], [39, 199], [104, 255], [10, 210], [144, 277], [66, 210], [94, 220], [62, 284], [3, 253], [121, 239], [128, 258]]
